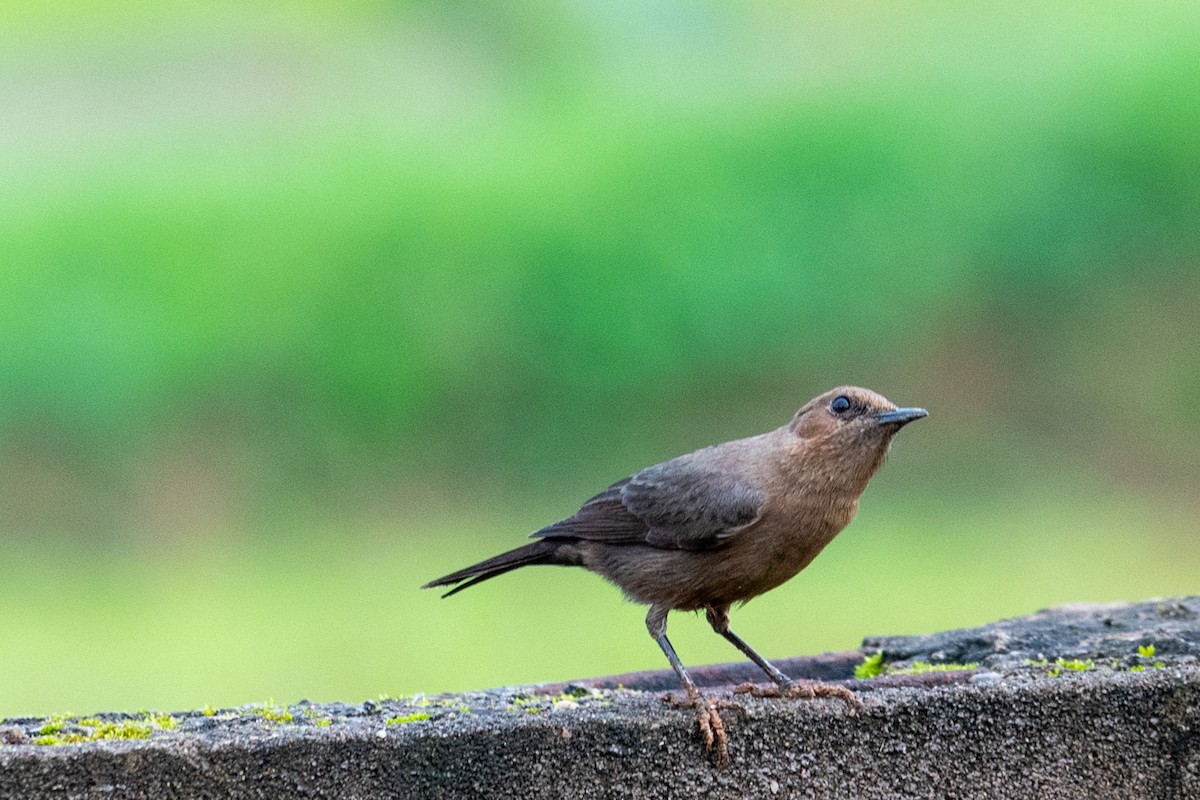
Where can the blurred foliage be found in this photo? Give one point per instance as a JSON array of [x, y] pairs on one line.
[[415, 261]]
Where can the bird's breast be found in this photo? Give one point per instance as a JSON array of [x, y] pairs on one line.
[[787, 542]]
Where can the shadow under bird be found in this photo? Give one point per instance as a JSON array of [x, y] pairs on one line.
[[722, 525]]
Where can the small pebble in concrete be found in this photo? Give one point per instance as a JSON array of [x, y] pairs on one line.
[[986, 678]]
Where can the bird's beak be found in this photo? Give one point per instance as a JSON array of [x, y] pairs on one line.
[[901, 416]]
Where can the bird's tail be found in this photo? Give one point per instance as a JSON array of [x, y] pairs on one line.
[[543, 552]]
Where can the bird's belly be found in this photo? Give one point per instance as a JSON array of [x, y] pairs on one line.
[[761, 568], [755, 562]]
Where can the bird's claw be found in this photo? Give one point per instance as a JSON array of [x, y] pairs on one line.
[[708, 717], [807, 690]]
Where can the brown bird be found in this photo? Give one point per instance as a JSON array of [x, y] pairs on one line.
[[722, 525]]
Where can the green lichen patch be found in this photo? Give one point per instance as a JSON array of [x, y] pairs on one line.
[[48, 739], [127, 729], [273, 713], [1146, 655], [65, 729], [316, 717], [56, 724], [872, 666], [568, 699], [416, 716], [523, 703], [164, 722]]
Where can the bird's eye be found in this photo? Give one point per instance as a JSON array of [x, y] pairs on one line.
[[840, 404]]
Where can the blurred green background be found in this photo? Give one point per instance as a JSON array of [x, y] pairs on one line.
[[302, 307]]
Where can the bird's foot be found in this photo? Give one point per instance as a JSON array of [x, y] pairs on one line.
[[803, 689], [708, 716]]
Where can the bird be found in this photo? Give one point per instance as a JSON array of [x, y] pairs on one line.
[[720, 526]]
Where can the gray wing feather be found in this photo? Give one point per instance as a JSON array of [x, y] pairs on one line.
[[673, 506]]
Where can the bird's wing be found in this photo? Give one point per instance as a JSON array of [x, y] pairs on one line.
[[676, 505]]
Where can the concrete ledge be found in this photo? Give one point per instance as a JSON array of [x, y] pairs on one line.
[[1016, 731]]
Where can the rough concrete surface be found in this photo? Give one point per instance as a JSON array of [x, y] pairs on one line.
[[1122, 726]]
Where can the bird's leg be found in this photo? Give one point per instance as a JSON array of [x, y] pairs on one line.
[[712, 727], [718, 618]]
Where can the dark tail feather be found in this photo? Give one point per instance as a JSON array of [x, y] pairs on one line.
[[537, 553]]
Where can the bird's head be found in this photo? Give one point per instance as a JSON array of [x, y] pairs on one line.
[[851, 426]]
